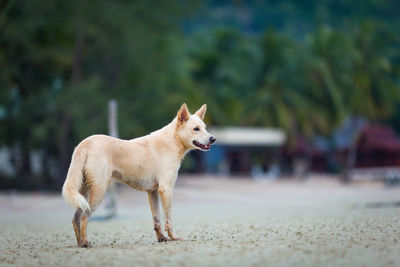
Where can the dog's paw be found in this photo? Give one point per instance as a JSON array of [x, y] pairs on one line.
[[85, 245], [176, 238], [163, 239]]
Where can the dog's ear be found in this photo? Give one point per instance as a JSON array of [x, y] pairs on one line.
[[183, 114], [202, 111]]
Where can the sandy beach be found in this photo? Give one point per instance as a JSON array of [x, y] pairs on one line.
[[225, 222]]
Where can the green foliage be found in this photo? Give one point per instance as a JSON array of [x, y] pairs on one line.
[[61, 62]]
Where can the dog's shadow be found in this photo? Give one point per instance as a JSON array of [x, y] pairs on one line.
[[375, 205], [143, 242], [104, 218]]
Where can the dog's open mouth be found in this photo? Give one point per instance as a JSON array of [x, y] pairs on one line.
[[200, 145]]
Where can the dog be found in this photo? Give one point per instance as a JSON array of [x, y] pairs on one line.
[[149, 163]]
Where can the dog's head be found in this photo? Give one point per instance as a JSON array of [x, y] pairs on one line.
[[192, 130]]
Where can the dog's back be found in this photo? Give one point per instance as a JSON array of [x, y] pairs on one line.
[[135, 162]]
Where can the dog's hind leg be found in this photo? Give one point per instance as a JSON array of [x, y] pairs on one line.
[[84, 220], [97, 190], [76, 224], [77, 219], [155, 211]]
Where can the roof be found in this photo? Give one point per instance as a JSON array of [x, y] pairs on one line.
[[249, 136], [379, 137]]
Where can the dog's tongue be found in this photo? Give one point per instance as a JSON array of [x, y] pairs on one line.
[[207, 146]]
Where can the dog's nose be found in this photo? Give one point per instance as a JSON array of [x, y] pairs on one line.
[[212, 139]]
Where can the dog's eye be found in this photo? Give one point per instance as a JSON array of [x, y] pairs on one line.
[[196, 129]]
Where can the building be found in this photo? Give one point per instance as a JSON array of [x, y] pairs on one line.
[[242, 150]]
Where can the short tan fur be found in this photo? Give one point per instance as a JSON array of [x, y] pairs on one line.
[[149, 163]]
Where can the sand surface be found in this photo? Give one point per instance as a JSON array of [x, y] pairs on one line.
[[225, 222]]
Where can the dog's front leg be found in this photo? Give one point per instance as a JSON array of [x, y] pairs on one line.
[[155, 211], [166, 200]]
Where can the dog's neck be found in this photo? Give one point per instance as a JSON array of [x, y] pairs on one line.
[[170, 132]]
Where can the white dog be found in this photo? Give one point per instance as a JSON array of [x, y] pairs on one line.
[[149, 163]]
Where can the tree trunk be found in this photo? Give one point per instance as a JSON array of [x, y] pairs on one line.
[[63, 148], [351, 160], [24, 168], [76, 71]]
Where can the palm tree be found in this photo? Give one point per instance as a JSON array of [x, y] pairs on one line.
[[373, 93], [222, 70]]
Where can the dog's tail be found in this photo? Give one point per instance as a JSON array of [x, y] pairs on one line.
[[73, 183]]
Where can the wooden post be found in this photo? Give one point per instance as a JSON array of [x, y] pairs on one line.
[[111, 204], [112, 118]]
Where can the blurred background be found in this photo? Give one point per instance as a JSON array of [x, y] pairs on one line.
[[292, 87]]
